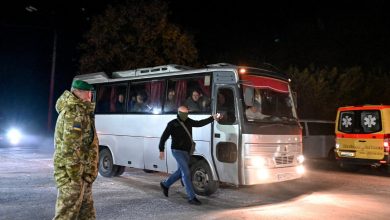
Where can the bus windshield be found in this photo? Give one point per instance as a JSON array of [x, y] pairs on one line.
[[266, 99]]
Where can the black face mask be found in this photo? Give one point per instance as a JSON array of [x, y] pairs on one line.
[[183, 115]]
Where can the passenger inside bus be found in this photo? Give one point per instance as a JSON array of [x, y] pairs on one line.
[[170, 103], [225, 106], [120, 103], [254, 112], [192, 102], [140, 103], [221, 102]]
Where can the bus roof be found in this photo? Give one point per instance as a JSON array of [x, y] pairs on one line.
[[173, 69]]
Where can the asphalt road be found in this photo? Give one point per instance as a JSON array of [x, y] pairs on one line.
[[27, 191]]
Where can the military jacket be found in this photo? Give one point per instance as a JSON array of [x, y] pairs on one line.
[[76, 144]]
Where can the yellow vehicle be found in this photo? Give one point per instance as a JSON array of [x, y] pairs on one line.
[[362, 136]]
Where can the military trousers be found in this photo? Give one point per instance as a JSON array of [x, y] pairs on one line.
[[74, 201]]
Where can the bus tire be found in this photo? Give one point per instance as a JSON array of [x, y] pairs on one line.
[[106, 164], [149, 171], [120, 170], [202, 179]]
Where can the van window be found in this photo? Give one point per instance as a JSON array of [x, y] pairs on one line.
[[317, 128], [347, 121], [370, 121], [360, 122]]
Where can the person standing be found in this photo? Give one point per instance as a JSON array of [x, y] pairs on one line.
[[76, 153], [181, 145]]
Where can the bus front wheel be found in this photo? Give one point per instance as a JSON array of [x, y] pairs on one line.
[[106, 164], [202, 179]]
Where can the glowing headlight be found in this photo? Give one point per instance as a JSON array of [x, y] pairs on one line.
[[300, 159], [256, 162], [300, 169], [14, 136]]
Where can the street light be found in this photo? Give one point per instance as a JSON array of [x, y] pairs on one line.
[[31, 8]]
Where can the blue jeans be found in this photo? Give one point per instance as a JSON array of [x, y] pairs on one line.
[[183, 171]]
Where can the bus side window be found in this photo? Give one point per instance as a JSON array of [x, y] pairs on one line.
[[117, 98], [192, 92], [225, 106], [110, 98], [156, 90], [137, 98], [103, 99], [146, 97]]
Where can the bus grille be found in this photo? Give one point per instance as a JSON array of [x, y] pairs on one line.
[[282, 160]]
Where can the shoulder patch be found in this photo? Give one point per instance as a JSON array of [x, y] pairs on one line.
[[77, 126]]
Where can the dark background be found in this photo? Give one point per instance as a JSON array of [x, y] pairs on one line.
[[283, 33]]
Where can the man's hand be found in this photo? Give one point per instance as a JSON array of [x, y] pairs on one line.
[[217, 116], [162, 155]]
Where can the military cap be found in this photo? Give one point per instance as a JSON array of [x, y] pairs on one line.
[[81, 85]]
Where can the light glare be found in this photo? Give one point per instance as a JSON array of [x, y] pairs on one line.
[[14, 136]]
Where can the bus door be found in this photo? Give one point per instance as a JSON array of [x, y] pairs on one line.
[[226, 135]]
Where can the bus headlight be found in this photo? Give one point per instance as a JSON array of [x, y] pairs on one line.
[[300, 169], [262, 174], [256, 162], [14, 136], [300, 159]]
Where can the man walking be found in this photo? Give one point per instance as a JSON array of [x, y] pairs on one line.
[[181, 145], [76, 153]]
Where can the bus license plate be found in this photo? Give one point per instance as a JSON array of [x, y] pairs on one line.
[[347, 154]]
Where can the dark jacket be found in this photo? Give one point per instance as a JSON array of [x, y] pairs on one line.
[[180, 138]]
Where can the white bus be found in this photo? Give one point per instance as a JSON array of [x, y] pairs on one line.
[[258, 140]]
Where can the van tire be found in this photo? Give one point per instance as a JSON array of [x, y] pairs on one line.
[[332, 155], [348, 167], [202, 178], [106, 164]]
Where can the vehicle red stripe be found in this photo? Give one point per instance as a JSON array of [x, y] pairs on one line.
[[354, 108], [265, 82], [363, 136]]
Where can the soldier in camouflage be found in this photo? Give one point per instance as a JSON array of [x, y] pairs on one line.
[[76, 153]]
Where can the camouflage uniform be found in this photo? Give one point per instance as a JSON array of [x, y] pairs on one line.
[[76, 158]]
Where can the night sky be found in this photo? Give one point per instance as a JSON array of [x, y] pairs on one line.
[[283, 33]]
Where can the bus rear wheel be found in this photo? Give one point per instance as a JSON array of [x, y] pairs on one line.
[[106, 164], [202, 179]]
